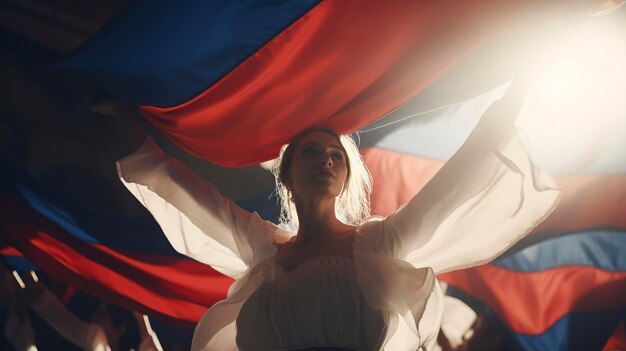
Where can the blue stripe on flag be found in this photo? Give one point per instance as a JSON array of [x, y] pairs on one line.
[[577, 331], [602, 249], [438, 134], [141, 234], [163, 53]]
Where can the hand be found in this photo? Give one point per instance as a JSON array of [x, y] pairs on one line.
[[498, 122]]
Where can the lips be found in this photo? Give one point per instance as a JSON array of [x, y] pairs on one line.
[[324, 174]]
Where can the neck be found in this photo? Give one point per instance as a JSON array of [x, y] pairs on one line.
[[317, 217]]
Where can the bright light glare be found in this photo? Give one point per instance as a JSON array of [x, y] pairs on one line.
[[578, 101], [563, 83], [587, 73]]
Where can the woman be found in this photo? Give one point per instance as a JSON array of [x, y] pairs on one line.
[[341, 281]]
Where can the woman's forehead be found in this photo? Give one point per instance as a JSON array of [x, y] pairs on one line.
[[320, 137]]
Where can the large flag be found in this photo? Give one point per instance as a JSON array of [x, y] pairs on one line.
[[565, 293], [273, 70], [259, 71], [567, 289], [129, 262]]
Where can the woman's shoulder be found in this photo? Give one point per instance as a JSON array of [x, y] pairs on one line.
[[282, 237], [370, 221]]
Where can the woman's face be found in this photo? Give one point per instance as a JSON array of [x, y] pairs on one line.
[[319, 166]]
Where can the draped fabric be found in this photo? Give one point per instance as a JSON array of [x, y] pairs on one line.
[[128, 262], [339, 64], [577, 281], [273, 70], [568, 277]]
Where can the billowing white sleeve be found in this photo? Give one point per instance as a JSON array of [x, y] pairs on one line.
[[483, 200], [196, 219]]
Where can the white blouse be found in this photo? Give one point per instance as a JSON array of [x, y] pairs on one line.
[[319, 303], [485, 198]]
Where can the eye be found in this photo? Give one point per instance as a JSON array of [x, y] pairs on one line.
[[337, 156], [309, 150]]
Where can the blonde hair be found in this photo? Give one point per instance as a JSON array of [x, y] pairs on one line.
[[352, 206]]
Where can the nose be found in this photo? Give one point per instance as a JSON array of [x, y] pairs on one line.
[[326, 160]]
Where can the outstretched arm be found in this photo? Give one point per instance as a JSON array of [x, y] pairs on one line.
[[196, 219], [499, 120], [484, 199]]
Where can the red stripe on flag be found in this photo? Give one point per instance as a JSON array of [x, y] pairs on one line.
[[617, 341], [397, 177], [10, 251], [588, 201], [530, 303], [591, 201], [343, 65], [175, 288]]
